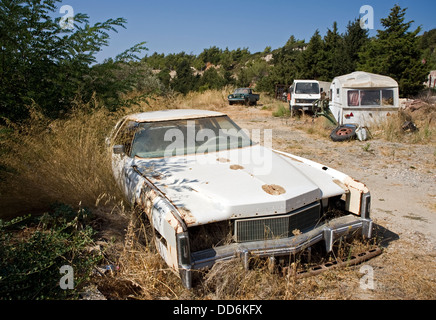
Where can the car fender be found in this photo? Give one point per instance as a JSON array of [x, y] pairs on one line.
[[163, 216]]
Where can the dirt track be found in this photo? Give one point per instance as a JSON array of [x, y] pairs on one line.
[[402, 180]]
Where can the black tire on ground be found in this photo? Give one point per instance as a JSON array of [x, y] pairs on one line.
[[343, 133]]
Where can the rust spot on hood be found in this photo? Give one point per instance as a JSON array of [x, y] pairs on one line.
[[273, 189], [187, 216], [236, 167]]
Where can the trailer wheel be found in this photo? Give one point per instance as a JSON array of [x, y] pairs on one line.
[[343, 133]]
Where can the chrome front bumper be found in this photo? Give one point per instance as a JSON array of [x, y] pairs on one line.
[[328, 232]]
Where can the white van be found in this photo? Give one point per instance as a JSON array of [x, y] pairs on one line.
[[302, 94], [362, 98]]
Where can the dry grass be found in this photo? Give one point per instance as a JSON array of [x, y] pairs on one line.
[[142, 272], [407, 279], [58, 161], [67, 161], [144, 275], [318, 127], [214, 100], [391, 128]]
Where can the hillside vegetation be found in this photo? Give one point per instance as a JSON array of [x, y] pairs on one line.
[[45, 65]]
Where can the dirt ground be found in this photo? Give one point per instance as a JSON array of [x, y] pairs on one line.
[[402, 180]]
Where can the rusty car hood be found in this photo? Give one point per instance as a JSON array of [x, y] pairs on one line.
[[235, 184]]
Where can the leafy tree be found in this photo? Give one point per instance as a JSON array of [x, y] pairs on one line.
[[41, 62], [165, 77], [212, 55], [211, 79], [285, 68], [227, 62], [395, 52], [252, 72], [156, 61], [240, 55], [113, 78]]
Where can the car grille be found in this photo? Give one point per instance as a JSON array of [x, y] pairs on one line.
[[277, 227]]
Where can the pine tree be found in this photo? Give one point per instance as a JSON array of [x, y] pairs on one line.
[[395, 52], [354, 41], [185, 80], [311, 62], [334, 63]]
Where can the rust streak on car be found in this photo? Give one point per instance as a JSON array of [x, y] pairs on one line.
[[236, 167], [187, 216]]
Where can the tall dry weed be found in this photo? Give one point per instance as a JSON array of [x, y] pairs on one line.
[[63, 160], [214, 100], [142, 273], [319, 126], [391, 128]]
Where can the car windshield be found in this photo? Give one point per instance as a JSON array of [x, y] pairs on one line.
[[183, 137], [245, 91], [307, 88]]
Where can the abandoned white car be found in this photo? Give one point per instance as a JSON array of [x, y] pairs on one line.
[[212, 194]]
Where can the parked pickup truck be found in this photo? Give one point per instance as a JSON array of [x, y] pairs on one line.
[[244, 95]]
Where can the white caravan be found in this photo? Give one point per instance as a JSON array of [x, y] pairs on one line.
[[362, 98]]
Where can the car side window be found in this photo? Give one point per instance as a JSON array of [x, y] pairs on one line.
[[126, 134]]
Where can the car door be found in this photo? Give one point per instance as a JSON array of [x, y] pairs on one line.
[[122, 163]]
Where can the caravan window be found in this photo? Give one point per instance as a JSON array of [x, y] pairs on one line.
[[388, 97], [370, 97], [357, 98], [353, 98]]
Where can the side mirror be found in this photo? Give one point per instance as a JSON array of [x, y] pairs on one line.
[[119, 149]]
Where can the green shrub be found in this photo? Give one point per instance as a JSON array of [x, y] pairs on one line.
[[281, 111], [32, 251]]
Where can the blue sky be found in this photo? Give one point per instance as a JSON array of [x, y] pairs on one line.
[[172, 26]]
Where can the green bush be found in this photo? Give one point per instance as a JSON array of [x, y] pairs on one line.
[[281, 112], [30, 263]]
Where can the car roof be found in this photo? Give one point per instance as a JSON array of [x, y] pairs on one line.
[[173, 114]]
